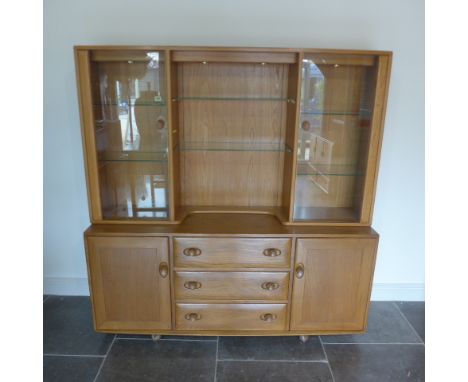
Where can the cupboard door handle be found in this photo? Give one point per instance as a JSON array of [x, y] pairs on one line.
[[192, 285], [270, 286], [268, 317], [300, 271], [271, 252], [163, 270], [192, 251], [192, 317]]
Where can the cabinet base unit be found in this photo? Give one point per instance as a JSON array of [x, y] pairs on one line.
[[230, 278]]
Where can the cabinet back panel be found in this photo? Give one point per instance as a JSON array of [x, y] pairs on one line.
[[219, 104], [232, 79], [231, 178]]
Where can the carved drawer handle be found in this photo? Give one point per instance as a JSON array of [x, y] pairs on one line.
[[192, 251], [192, 285], [272, 252], [192, 317], [268, 317], [270, 285], [163, 270], [300, 271]]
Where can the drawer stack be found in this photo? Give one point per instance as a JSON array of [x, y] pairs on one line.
[[231, 283]]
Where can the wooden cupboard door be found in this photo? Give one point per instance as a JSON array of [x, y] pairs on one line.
[[130, 283], [332, 283]]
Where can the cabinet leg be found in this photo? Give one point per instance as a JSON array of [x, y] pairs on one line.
[[303, 339], [155, 337]]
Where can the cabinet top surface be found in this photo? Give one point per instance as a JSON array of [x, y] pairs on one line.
[[227, 225], [231, 48]]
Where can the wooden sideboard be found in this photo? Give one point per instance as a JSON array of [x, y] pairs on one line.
[[221, 274], [231, 190]]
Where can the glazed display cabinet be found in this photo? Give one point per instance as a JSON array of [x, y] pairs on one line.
[[231, 189]]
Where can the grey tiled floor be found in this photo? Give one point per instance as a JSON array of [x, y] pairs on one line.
[[391, 351]]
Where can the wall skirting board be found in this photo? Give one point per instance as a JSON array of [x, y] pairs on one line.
[[66, 286], [398, 292], [78, 286]]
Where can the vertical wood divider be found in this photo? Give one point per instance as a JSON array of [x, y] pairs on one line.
[[291, 281], [378, 120], [90, 286], [171, 128], [293, 144], [172, 280], [85, 98]]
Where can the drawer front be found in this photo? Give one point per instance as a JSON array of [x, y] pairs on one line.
[[231, 285], [231, 316], [232, 252]]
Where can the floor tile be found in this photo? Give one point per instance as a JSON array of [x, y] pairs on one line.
[[414, 312], [68, 328], [241, 371], [270, 348], [133, 360], [371, 363], [71, 369], [386, 325]]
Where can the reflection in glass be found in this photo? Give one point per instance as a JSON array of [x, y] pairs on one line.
[[131, 136], [333, 138]]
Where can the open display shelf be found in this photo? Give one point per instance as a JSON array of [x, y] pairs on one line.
[[284, 130], [233, 146], [133, 156], [231, 98]]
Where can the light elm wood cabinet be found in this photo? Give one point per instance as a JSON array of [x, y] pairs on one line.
[[231, 189]]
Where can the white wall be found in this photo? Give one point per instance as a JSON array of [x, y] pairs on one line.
[[396, 25]]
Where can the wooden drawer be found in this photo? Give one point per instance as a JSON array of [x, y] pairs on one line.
[[231, 285], [232, 252], [231, 316]]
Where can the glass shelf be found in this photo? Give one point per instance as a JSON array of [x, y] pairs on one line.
[[124, 212], [362, 113], [234, 146], [233, 98], [133, 156], [310, 169], [328, 214], [159, 104]]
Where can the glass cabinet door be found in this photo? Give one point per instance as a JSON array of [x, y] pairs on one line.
[[131, 133], [337, 97]]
